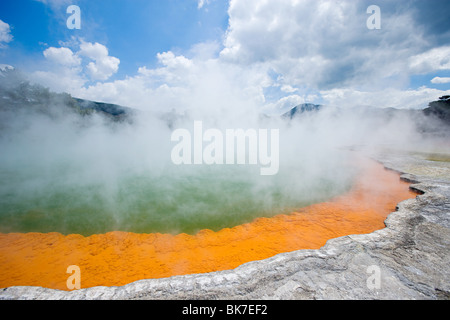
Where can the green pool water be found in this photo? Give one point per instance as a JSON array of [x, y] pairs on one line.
[[66, 199]]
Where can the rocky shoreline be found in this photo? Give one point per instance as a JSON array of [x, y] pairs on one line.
[[410, 257]]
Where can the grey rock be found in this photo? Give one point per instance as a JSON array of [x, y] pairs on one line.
[[411, 255]]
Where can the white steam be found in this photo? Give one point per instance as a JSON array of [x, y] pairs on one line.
[[88, 174]]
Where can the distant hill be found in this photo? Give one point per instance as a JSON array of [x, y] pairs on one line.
[[437, 109], [432, 121], [18, 94], [300, 109], [113, 110]]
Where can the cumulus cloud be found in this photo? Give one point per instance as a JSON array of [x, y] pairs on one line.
[[170, 60], [62, 56], [303, 50], [198, 86], [160, 88], [103, 66], [439, 80], [69, 69], [5, 34], [321, 43], [435, 59], [64, 73], [173, 71], [325, 46]]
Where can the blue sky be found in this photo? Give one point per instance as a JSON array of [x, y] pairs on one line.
[[133, 30], [274, 53]]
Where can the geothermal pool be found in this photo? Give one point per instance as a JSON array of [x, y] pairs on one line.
[[176, 200], [258, 223]]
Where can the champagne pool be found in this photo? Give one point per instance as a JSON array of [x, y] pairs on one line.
[[150, 229], [178, 199]]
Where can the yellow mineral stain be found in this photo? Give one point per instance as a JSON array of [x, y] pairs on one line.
[[119, 258]]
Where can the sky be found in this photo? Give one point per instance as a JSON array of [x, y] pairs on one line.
[[275, 54]]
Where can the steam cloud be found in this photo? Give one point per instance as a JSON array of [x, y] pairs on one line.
[[71, 170]]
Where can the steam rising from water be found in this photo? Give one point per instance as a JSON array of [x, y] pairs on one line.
[[62, 172]]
